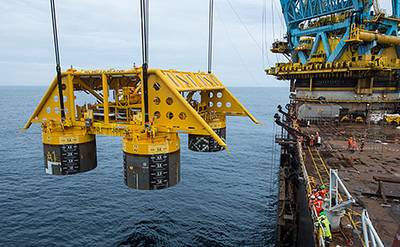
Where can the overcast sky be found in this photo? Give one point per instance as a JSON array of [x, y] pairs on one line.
[[105, 34]]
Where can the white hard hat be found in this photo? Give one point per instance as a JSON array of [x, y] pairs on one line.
[[313, 197], [319, 198]]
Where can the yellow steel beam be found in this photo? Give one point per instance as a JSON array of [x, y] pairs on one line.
[[90, 90], [105, 97], [162, 76], [71, 98], [42, 102], [247, 113], [190, 81], [184, 117]]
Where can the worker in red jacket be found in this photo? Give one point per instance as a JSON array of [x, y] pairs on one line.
[[318, 204], [322, 191]]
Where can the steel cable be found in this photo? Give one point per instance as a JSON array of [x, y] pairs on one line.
[[210, 34], [57, 55]]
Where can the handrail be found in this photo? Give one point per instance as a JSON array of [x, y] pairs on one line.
[[369, 232], [334, 183]]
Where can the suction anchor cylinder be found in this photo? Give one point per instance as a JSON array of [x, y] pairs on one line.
[[69, 152], [205, 143], [152, 163]]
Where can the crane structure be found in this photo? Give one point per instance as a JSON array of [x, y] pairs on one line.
[[178, 102], [341, 52]]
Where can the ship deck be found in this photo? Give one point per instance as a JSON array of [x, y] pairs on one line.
[[360, 170]]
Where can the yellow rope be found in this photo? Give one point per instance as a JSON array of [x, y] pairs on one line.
[[315, 165], [323, 162]]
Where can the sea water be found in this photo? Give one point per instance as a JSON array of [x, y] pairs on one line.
[[223, 199]]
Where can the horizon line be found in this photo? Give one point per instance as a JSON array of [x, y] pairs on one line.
[[25, 85]]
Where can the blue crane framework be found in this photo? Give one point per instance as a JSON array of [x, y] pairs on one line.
[[297, 11], [348, 48]]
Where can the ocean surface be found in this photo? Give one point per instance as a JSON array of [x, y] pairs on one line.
[[223, 199]]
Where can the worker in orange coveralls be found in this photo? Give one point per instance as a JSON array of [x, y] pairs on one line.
[[350, 143]]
